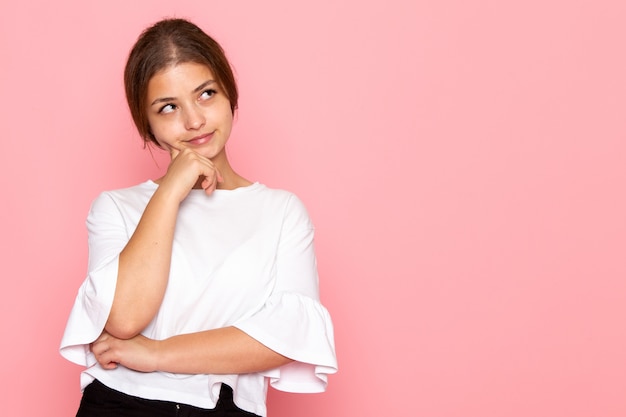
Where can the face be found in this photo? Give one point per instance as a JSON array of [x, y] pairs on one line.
[[188, 109]]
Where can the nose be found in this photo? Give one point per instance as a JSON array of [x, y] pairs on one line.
[[194, 118]]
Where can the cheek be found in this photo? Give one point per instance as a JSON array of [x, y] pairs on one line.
[[160, 130], [161, 137], [224, 117], [228, 119]]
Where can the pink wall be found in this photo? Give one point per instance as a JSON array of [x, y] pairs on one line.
[[464, 162]]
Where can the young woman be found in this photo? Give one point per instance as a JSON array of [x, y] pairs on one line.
[[201, 286]]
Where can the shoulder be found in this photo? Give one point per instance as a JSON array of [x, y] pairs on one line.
[[136, 195], [280, 196], [290, 205]]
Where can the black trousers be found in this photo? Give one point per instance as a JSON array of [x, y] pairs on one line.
[[101, 401]]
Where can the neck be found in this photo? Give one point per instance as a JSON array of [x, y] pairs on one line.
[[232, 180]]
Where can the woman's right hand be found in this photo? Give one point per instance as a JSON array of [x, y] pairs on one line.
[[188, 168]]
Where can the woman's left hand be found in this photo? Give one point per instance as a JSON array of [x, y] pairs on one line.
[[137, 353]]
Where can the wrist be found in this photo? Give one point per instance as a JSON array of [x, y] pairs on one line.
[[169, 195]]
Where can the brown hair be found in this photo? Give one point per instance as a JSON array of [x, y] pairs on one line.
[[170, 42]]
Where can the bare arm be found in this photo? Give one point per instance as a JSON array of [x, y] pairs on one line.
[[143, 269], [221, 351], [144, 263]]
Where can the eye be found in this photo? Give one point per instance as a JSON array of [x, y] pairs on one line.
[[168, 108], [207, 94]]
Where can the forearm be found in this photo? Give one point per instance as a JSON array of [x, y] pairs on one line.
[[143, 269], [221, 351]]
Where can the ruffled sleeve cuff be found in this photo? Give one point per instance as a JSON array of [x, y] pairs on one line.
[[300, 328], [89, 314]]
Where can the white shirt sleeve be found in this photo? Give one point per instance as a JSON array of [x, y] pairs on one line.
[[293, 322], [107, 238]]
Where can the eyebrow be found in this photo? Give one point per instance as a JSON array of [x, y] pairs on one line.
[[195, 90]]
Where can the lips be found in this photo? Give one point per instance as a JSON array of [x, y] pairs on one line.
[[200, 140]]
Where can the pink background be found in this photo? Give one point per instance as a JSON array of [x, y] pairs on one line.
[[464, 163]]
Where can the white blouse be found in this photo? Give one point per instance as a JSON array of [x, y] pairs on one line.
[[242, 258]]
